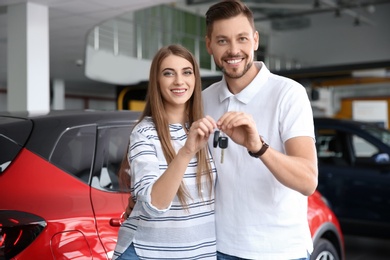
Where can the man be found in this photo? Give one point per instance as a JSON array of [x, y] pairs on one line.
[[270, 168], [270, 165]]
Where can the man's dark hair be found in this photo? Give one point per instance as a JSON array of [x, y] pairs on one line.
[[227, 9]]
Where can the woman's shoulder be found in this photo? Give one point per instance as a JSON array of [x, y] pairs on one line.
[[144, 126]]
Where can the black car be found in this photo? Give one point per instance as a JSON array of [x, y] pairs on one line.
[[354, 174]]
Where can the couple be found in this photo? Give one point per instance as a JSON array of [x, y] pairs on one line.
[[268, 170]]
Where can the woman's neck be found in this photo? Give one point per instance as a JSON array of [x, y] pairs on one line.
[[176, 115]]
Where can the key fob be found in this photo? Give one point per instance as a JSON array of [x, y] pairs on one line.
[[216, 139], [223, 142]]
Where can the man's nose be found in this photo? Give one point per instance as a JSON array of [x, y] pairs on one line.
[[234, 48]]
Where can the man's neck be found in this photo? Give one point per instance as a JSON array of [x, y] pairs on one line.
[[236, 85]]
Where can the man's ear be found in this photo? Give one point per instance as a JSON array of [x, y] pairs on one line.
[[256, 38], [208, 43]]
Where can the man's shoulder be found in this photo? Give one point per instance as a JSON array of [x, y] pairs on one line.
[[265, 72], [213, 87], [282, 78], [283, 81]]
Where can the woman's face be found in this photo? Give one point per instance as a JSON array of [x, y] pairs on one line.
[[177, 81]]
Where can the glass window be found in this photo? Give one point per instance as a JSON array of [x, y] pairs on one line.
[[323, 140], [14, 133], [8, 152], [363, 148], [380, 133], [74, 151], [112, 150], [367, 154], [331, 148]]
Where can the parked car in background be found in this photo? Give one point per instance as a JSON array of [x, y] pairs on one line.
[[60, 193], [354, 174]]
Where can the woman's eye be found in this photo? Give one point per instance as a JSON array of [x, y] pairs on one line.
[[168, 73], [188, 72]]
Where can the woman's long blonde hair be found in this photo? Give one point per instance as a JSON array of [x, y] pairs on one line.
[[154, 108]]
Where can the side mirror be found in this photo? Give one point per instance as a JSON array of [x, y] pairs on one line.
[[382, 158]]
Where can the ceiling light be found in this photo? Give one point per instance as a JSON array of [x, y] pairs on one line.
[[371, 9], [380, 73], [79, 62]]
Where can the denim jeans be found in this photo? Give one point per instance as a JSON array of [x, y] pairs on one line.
[[221, 256], [129, 254]]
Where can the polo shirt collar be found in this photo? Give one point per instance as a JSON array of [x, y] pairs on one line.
[[246, 95]]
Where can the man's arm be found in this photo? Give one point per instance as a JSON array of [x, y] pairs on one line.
[[297, 169]]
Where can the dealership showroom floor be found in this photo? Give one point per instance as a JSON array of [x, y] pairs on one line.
[[363, 248]]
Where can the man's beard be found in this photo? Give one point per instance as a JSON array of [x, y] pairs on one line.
[[235, 75]]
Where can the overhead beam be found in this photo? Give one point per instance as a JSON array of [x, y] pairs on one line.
[[343, 7]]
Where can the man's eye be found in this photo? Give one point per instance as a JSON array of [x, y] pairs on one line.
[[221, 41]]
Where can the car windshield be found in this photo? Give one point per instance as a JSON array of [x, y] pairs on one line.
[[378, 132]]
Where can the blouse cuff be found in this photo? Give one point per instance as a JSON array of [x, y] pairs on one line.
[[147, 202]]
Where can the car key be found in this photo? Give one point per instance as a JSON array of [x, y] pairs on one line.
[[223, 144], [216, 139]]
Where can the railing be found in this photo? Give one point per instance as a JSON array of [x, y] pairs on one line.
[[138, 36]]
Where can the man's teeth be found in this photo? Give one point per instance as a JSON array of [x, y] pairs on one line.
[[233, 61], [178, 90]]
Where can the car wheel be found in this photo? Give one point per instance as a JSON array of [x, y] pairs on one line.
[[324, 250]]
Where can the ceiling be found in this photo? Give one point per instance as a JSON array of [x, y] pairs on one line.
[[277, 9], [69, 23], [71, 20]]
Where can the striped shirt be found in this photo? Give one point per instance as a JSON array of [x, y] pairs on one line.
[[174, 232]]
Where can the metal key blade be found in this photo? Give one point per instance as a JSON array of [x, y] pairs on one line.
[[222, 154]]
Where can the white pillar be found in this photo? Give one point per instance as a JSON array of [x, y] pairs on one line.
[[58, 94], [28, 58]]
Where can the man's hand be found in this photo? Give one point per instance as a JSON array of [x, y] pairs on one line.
[[241, 128]]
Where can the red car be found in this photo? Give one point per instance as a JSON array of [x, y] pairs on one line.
[[60, 194]]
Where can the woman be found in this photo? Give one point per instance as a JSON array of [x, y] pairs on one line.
[[172, 173]]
